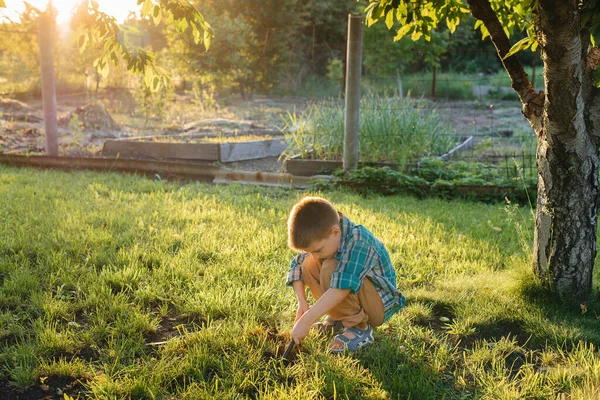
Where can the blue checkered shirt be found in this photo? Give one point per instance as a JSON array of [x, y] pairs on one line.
[[360, 255]]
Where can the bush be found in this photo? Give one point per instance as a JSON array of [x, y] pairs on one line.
[[432, 177]]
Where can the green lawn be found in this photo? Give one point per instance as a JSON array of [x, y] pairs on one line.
[[119, 286]]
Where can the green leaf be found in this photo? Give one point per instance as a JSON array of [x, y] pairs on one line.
[[452, 24], [416, 35], [148, 76], [595, 34], [373, 13], [389, 19], [406, 29], [155, 84], [156, 15], [114, 57], [103, 69], [196, 34], [207, 36], [82, 41], [520, 45], [534, 46], [146, 7]]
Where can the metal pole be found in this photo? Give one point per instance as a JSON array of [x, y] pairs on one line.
[[352, 105], [48, 86]]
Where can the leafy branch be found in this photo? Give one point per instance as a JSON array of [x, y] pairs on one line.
[[102, 28]]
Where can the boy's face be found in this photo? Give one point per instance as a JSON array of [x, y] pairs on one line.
[[328, 247]]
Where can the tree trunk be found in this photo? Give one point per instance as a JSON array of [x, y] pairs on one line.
[[567, 160], [566, 120]]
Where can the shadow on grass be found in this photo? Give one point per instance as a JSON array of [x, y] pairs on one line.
[[404, 376], [578, 320]]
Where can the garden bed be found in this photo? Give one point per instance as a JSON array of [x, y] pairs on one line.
[[309, 167], [193, 149], [445, 191], [306, 167]]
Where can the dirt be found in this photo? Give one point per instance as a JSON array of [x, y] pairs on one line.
[[173, 326], [91, 118], [46, 388]]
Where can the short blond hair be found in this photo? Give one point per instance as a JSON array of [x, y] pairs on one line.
[[310, 219]]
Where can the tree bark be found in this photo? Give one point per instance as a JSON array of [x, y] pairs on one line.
[[564, 120], [567, 159]]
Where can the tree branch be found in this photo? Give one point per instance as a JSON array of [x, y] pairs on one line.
[[533, 103]]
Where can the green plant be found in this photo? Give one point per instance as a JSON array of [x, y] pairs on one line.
[[335, 70], [433, 177], [391, 130]]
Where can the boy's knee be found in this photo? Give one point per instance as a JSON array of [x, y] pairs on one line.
[[311, 265], [328, 268]]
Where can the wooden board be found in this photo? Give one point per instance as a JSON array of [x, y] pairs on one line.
[[223, 152], [160, 151], [251, 150]]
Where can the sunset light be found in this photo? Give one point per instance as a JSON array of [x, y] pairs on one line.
[[117, 8]]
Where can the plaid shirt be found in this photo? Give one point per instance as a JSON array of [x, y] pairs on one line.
[[360, 255]]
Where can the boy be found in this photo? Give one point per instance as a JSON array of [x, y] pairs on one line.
[[348, 272]]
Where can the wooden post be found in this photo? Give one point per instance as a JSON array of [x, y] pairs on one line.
[[314, 63], [352, 104], [433, 82], [400, 91], [45, 24]]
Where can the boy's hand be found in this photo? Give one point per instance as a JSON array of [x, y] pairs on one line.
[[302, 308], [300, 331]]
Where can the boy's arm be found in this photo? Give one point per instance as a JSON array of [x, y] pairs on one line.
[[330, 299], [301, 295]]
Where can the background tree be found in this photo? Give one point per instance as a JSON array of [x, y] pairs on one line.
[[564, 117], [20, 50], [468, 53]]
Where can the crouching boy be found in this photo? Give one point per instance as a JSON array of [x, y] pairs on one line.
[[348, 272]]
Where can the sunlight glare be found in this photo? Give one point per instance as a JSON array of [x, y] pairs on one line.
[[117, 8]]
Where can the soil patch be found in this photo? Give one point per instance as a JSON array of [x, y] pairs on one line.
[[171, 327], [13, 106], [47, 388], [93, 118], [279, 345]]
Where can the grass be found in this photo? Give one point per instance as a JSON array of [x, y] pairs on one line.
[[501, 79], [391, 130], [123, 287]]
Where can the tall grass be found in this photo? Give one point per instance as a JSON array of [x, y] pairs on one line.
[[391, 130]]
